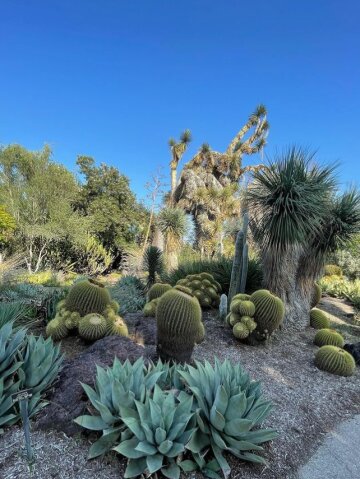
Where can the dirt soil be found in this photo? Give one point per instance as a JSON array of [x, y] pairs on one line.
[[308, 403]]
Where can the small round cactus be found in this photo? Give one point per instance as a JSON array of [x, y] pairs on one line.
[[240, 331], [246, 308], [87, 297], [328, 337], [56, 329], [92, 327], [115, 306], [150, 308], [72, 320], [335, 360], [157, 290], [204, 287], [249, 323], [269, 312], [117, 327], [316, 295], [234, 318], [318, 319], [241, 296]]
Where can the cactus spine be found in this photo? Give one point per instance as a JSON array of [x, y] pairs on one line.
[[240, 263], [335, 360], [179, 325]]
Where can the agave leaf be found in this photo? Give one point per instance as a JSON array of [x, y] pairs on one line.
[[134, 425], [248, 456], [165, 447], [104, 444], [160, 435], [94, 423], [176, 449], [188, 466], [217, 419], [224, 466], [260, 436], [135, 467], [91, 394], [237, 426], [154, 463], [105, 413], [172, 471], [221, 400], [146, 448], [128, 449], [237, 406], [198, 442], [217, 439]]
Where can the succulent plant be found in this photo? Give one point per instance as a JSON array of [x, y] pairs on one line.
[[160, 429], [150, 308], [223, 307], [243, 308], [249, 323], [269, 313], [318, 319], [328, 337], [242, 297], [56, 329], [71, 321], [115, 306], [179, 326], [316, 295], [117, 327], [240, 330], [92, 327], [157, 290], [228, 407], [87, 297], [204, 287], [240, 262], [234, 318], [335, 360]]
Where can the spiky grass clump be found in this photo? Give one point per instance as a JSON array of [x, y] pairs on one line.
[[316, 295], [157, 290], [330, 337], [87, 297], [56, 329], [318, 319], [335, 360], [92, 327]]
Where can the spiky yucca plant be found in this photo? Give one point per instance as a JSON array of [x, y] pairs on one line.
[[153, 264], [173, 225]]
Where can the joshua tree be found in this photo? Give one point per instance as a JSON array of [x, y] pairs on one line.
[[296, 218], [173, 225], [177, 150]]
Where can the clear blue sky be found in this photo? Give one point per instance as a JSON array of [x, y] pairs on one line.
[[115, 79]]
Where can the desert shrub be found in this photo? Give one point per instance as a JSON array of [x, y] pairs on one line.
[[40, 300], [182, 418], [341, 287], [44, 278], [332, 269], [130, 294], [220, 269], [26, 363]]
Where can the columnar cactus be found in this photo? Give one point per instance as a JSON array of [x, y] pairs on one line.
[[269, 313], [335, 360], [240, 263], [87, 297], [328, 337], [157, 290], [179, 325], [318, 319], [223, 307]]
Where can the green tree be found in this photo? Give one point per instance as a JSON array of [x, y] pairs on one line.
[[114, 215], [38, 193]]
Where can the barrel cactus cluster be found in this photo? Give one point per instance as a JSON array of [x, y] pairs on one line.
[[204, 287], [153, 296], [257, 316], [179, 325], [89, 311]]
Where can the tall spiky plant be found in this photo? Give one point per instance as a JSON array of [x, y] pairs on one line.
[[289, 202], [173, 225], [177, 149], [153, 264]]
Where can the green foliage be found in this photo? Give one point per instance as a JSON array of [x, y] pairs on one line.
[[153, 263], [269, 313], [92, 327], [348, 259], [157, 290], [204, 287], [332, 269], [328, 337], [178, 418], [179, 326], [96, 258], [335, 360], [27, 363], [318, 319], [7, 224], [15, 312], [341, 287], [316, 295], [87, 297], [129, 291], [220, 269]]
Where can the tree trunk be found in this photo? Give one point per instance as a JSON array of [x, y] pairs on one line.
[[158, 239], [173, 180]]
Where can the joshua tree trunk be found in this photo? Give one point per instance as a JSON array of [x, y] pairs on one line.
[[173, 180]]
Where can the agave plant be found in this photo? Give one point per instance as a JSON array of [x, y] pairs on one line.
[[160, 427], [115, 388], [228, 407]]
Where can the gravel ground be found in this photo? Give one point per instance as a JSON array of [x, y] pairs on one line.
[[308, 403]]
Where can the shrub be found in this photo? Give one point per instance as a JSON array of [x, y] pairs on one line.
[[341, 287], [130, 293], [220, 269], [332, 269], [14, 312], [138, 409]]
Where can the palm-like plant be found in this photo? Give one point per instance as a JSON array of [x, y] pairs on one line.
[[289, 202], [177, 149], [153, 263], [173, 224]]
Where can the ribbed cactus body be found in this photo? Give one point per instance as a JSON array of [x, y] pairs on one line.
[[246, 308], [56, 329], [335, 360], [241, 296], [234, 318], [72, 320], [157, 290], [318, 319], [150, 308], [92, 327], [117, 327], [240, 331], [179, 325], [204, 287], [87, 297], [269, 312], [223, 307], [316, 295], [115, 306], [328, 337]]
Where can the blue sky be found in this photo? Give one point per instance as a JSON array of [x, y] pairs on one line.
[[115, 79]]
